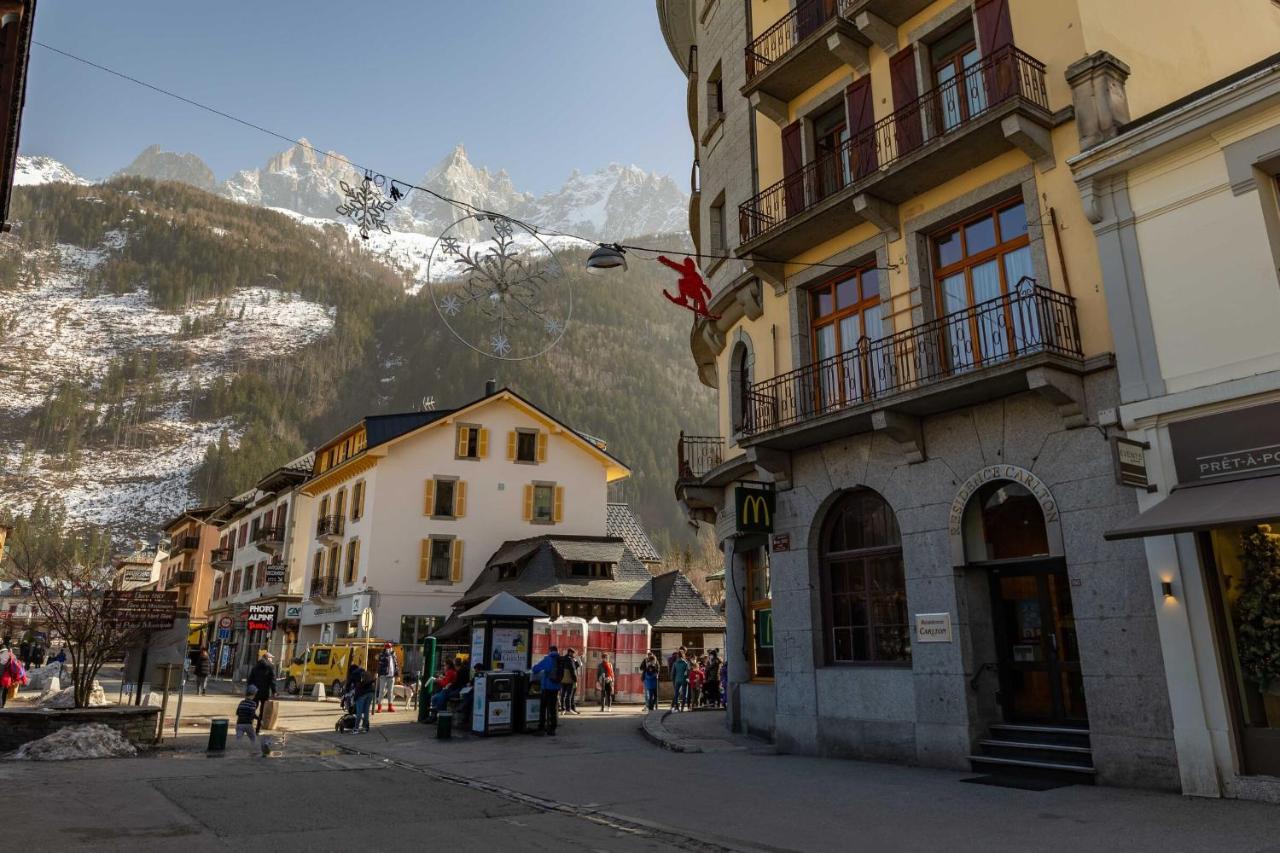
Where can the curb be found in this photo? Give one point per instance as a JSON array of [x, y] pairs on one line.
[[654, 730]]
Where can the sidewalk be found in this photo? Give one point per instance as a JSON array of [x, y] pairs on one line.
[[696, 731]]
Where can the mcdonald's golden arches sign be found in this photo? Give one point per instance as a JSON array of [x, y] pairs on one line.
[[754, 509]]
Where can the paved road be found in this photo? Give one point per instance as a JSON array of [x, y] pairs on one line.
[[599, 785]]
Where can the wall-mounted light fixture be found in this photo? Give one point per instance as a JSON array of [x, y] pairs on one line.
[[1167, 588]]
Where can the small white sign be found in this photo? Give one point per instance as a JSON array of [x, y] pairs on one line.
[[366, 619], [933, 627]]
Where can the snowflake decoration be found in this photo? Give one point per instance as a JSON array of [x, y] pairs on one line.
[[500, 291], [365, 206]]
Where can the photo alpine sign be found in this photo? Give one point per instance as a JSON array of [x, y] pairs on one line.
[[149, 610], [262, 617], [754, 509]]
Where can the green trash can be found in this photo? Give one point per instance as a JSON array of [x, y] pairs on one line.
[[444, 725], [217, 734]]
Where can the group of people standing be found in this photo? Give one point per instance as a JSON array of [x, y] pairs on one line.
[[698, 681]]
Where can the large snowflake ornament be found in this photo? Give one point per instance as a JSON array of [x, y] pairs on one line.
[[499, 288], [365, 206]]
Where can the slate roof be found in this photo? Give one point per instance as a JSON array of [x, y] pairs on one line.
[[621, 522], [678, 606], [544, 573]]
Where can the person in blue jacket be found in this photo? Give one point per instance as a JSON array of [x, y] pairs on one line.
[[551, 669]]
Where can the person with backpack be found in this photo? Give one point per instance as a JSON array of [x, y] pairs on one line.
[[604, 680], [649, 669], [263, 677], [387, 671], [551, 670], [572, 665], [680, 682], [365, 684]]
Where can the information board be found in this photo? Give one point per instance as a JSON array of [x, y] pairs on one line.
[[149, 610]]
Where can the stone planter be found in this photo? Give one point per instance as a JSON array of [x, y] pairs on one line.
[[22, 725]]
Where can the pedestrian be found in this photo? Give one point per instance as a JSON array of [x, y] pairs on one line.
[[724, 684], [604, 680], [365, 684], [446, 687], [202, 667], [713, 679], [649, 670], [245, 713], [551, 670], [569, 680], [680, 682], [24, 653], [387, 671], [61, 660], [263, 677], [12, 674], [697, 679]]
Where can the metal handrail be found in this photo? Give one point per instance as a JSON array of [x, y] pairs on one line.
[[792, 28], [329, 525], [1006, 74], [1032, 319], [698, 454]]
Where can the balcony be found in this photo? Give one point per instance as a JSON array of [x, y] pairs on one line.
[[697, 454], [271, 539], [329, 527], [794, 53], [185, 577], [185, 543], [999, 104], [324, 586], [221, 557], [982, 353]]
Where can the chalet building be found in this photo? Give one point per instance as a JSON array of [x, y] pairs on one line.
[[264, 540], [911, 477], [189, 540], [1178, 194], [409, 508]]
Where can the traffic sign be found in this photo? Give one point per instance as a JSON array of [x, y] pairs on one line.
[[366, 620], [224, 623], [224, 634]]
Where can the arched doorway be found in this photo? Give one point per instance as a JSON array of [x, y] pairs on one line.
[[1036, 649]]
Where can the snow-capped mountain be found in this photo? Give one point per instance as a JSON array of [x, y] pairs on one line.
[[32, 171]]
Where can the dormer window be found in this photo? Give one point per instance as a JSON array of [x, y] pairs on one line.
[[591, 570], [508, 572]]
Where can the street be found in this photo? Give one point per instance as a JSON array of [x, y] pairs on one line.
[[599, 785]]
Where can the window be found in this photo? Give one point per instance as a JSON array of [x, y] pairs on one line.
[[845, 317], [281, 517], [324, 506], [441, 559], [961, 93], [335, 556], [976, 264], [357, 500], [473, 442], [591, 570], [415, 629], [262, 574], [340, 503], [717, 229], [715, 95], [760, 613], [320, 657], [244, 534], [353, 561], [740, 365], [317, 567], [235, 582], [527, 445], [444, 497], [508, 571], [864, 588], [543, 503], [830, 133]]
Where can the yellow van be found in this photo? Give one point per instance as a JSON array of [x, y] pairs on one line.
[[326, 663]]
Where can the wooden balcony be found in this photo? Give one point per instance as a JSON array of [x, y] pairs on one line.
[[1000, 104], [794, 53], [981, 353]]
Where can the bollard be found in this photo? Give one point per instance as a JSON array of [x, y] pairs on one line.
[[444, 725], [319, 688], [217, 734]]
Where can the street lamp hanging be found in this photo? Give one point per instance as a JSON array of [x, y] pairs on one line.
[[606, 257]]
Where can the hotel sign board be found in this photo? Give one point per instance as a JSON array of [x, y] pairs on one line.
[[1232, 445], [933, 627], [754, 509], [1130, 458]]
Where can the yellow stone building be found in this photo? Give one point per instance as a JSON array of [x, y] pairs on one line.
[[915, 356]]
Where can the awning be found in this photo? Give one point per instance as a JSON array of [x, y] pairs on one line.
[[1206, 507]]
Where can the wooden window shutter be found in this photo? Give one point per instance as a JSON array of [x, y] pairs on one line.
[[792, 163], [528, 502], [428, 497], [482, 444], [455, 563], [559, 511], [862, 120], [463, 435], [355, 561], [542, 446], [995, 37], [512, 438], [424, 561], [906, 91], [459, 499]]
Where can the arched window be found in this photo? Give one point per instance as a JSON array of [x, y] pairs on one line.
[[740, 370], [1003, 521], [863, 585]]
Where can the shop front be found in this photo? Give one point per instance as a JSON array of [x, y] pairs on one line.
[[326, 620], [1213, 545]]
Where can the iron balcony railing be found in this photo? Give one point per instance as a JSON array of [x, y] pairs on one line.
[[1032, 319], [221, 555], [698, 454], [186, 543], [184, 577], [329, 525], [794, 27], [1006, 74], [269, 534], [324, 586]]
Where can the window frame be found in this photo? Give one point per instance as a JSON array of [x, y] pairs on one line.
[[436, 515], [350, 563], [473, 441], [357, 500], [448, 560], [756, 561], [521, 433], [533, 507]]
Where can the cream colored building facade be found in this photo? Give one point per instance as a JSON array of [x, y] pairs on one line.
[[914, 349]]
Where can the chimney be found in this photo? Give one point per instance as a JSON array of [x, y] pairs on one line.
[[1097, 91], [490, 387]]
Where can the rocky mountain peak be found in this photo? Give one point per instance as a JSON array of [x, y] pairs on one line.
[[160, 165]]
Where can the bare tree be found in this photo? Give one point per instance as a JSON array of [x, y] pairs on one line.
[[67, 581]]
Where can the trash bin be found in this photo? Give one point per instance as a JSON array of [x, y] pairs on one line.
[[217, 734], [444, 725]]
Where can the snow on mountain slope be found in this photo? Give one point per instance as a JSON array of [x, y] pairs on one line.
[[32, 171]]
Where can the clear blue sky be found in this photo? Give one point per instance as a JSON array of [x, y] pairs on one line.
[[538, 87]]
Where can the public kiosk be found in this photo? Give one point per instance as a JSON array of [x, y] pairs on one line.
[[501, 654]]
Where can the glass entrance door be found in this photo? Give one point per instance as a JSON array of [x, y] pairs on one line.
[[1038, 655]]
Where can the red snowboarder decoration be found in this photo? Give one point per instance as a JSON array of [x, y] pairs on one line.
[[693, 290]]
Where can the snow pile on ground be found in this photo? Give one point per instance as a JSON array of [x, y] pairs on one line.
[[66, 698], [92, 740], [39, 677]]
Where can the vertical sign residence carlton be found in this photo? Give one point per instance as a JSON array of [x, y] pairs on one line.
[[910, 333]]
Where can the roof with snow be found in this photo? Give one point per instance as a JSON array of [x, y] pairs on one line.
[[622, 522]]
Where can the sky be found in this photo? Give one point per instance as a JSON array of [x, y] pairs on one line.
[[536, 87]]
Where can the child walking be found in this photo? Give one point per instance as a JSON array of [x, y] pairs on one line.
[[246, 711]]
